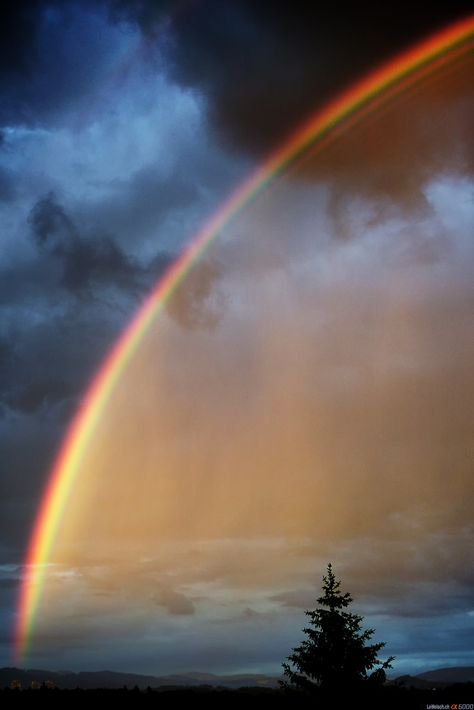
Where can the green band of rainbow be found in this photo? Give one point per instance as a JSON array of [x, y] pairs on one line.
[[336, 117]]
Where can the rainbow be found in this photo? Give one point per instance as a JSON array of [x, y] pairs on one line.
[[325, 125]]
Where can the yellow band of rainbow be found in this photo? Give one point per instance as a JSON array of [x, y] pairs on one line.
[[336, 117]]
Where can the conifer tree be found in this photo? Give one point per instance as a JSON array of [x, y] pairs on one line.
[[336, 653]]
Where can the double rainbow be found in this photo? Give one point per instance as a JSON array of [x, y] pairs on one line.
[[324, 126]]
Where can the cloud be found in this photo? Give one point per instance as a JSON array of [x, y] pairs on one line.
[[23, 478], [96, 262], [264, 67], [93, 264], [197, 303], [51, 226], [176, 603], [364, 164], [254, 103], [42, 59], [8, 583], [96, 203], [18, 35], [295, 599], [7, 184], [138, 205], [50, 361]]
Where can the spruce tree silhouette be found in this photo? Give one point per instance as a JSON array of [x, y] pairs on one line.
[[335, 655]]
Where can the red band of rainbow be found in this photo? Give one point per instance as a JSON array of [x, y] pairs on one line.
[[340, 114]]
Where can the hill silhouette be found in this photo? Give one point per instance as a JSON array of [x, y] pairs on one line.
[[456, 674], [89, 680], [438, 678], [67, 689]]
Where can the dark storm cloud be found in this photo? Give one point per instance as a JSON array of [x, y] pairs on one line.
[[45, 368], [86, 263], [74, 285], [52, 53], [50, 361], [264, 66], [97, 263], [51, 224], [10, 576], [28, 446], [19, 26], [5, 352], [7, 184], [64, 308], [141, 203]]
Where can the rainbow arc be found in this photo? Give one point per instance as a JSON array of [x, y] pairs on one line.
[[338, 116]]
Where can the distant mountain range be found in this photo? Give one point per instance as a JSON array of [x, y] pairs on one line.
[[109, 679], [437, 678]]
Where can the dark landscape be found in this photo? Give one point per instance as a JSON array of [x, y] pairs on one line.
[[442, 686], [92, 680]]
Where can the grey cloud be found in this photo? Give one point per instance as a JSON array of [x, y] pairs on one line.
[[87, 263], [90, 265], [433, 638], [106, 580], [249, 615], [7, 184], [443, 556], [19, 25], [435, 602], [198, 304], [401, 583], [63, 306], [139, 204], [51, 361], [296, 598], [53, 55], [28, 444], [227, 50], [45, 367], [51, 226], [176, 603], [6, 352]]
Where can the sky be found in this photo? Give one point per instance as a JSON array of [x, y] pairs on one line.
[[305, 397]]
